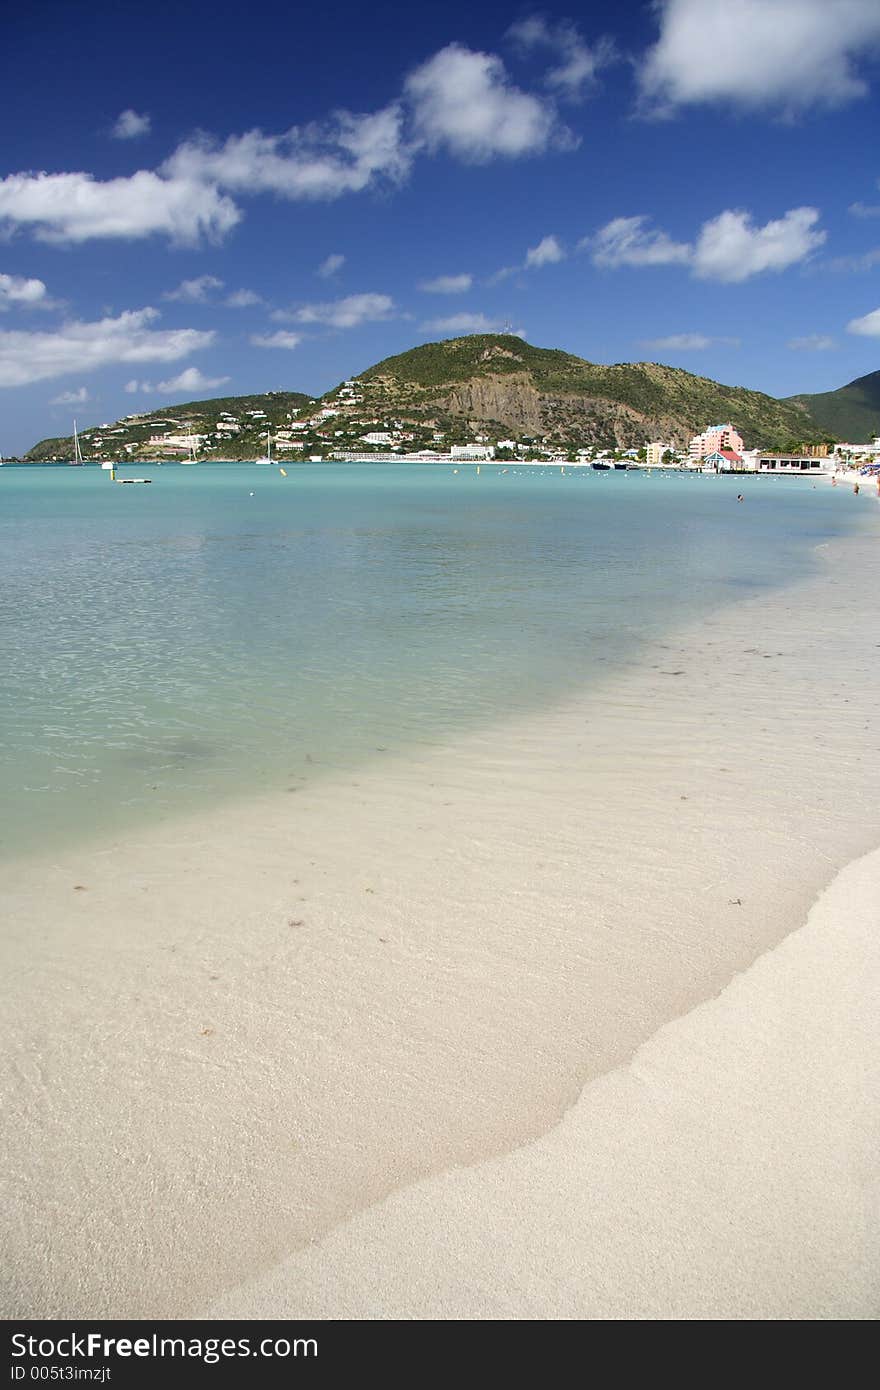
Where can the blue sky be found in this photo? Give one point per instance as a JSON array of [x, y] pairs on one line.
[[218, 199]]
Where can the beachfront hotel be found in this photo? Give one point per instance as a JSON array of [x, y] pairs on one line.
[[715, 439]]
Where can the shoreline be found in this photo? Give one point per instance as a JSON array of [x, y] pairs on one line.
[[247, 1018], [165, 813], [652, 1198], [840, 475]]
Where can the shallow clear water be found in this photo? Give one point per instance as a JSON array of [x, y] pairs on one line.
[[228, 629]]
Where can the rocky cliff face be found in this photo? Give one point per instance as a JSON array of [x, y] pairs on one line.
[[493, 384], [514, 402], [499, 383], [509, 400]]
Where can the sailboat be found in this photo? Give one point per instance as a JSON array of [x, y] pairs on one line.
[[268, 458], [77, 460], [192, 452]]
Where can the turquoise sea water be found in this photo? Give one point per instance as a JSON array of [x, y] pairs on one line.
[[227, 630]]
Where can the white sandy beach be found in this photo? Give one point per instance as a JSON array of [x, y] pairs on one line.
[[312, 1054], [727, 1171]]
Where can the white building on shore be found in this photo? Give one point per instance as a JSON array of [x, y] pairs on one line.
[[858, 451], [472, 451], [789, 464]]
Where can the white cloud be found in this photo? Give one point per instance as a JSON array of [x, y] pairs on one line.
[[196, 291], [630, 241], [864, 210], [191, 379], [242, 299], [134, 385], [78, 397], [331, 265], [731, 249], [578, 64], [866, 261], [347, 313], [814, 342], [129, 125], [16, 290], [688, 342], [467, 323], [78, 207], [276, 340], [79, 347], [203, 290], [345, 155], [547, 252], [868, 326], [781, 54], [728, 248], [459, 100], [465, 103], [447, 284]]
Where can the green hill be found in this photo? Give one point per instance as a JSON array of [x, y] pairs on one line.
[[210, 420], [488, 385], [851, 413], [496, 381]]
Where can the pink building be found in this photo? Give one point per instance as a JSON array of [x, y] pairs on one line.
[[713, 440]]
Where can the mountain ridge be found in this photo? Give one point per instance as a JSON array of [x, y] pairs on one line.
[[448, 392], [852, 411]]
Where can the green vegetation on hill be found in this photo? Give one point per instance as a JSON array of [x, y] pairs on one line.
[[459, 359], [130, 437], [486, 386], [618, 404], [851, 413]]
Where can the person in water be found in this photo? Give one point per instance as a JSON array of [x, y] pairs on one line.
[[739, 497]]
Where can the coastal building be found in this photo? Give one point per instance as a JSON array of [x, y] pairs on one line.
[[654, 452], [364, 456], [713, 439], [176, 443], [858, 451], [723, 461], [472, 451], [377, 437], [793, 463]]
